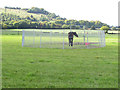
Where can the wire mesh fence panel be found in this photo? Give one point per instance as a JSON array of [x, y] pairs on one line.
[[60, 39], [28, 38], [57, 39], [93, 39]]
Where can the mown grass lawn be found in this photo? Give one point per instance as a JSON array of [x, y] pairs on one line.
[[25, 67]]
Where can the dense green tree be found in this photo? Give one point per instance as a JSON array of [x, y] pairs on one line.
[[38, 10], [34, 25], [82, 22], [77, 22], [113, 28], [3, 18], [47, 25], [10, 26], [60, 22], [67, 22], [104, 28], [23, 24], [28, 18], [52, 15], [52, 25], [43, 18], [65, 26], [31, 16], [98, 24], [5, 26], [92, 28], [16, 24]]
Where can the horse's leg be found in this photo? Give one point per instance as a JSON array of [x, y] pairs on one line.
[[71, 41]]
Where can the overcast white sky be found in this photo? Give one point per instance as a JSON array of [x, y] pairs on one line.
[[105, 11]]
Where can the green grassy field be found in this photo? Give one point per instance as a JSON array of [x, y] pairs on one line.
[[25, 67]]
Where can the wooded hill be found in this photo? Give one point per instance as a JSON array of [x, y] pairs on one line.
[[39, 18]]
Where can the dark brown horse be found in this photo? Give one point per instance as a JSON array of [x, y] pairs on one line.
[[70, 37]]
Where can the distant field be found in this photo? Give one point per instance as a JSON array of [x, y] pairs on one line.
[[25, 67], [114, 32], [110, 31]]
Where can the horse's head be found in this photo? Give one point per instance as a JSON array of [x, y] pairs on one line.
[[75, 34]]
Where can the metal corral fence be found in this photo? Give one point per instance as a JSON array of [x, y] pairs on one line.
[[59, 39]]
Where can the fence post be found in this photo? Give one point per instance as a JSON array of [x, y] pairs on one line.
[[84, 36], [87, 40], [104, 39], [33, 38], [50, 39], [99, 38], [40, 38], [63, 39], [23, 34]]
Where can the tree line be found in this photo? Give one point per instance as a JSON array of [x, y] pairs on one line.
[[12, 7], [10, 21]]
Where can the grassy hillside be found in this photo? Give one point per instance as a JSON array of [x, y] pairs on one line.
[[40, 19], [21, 13]]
